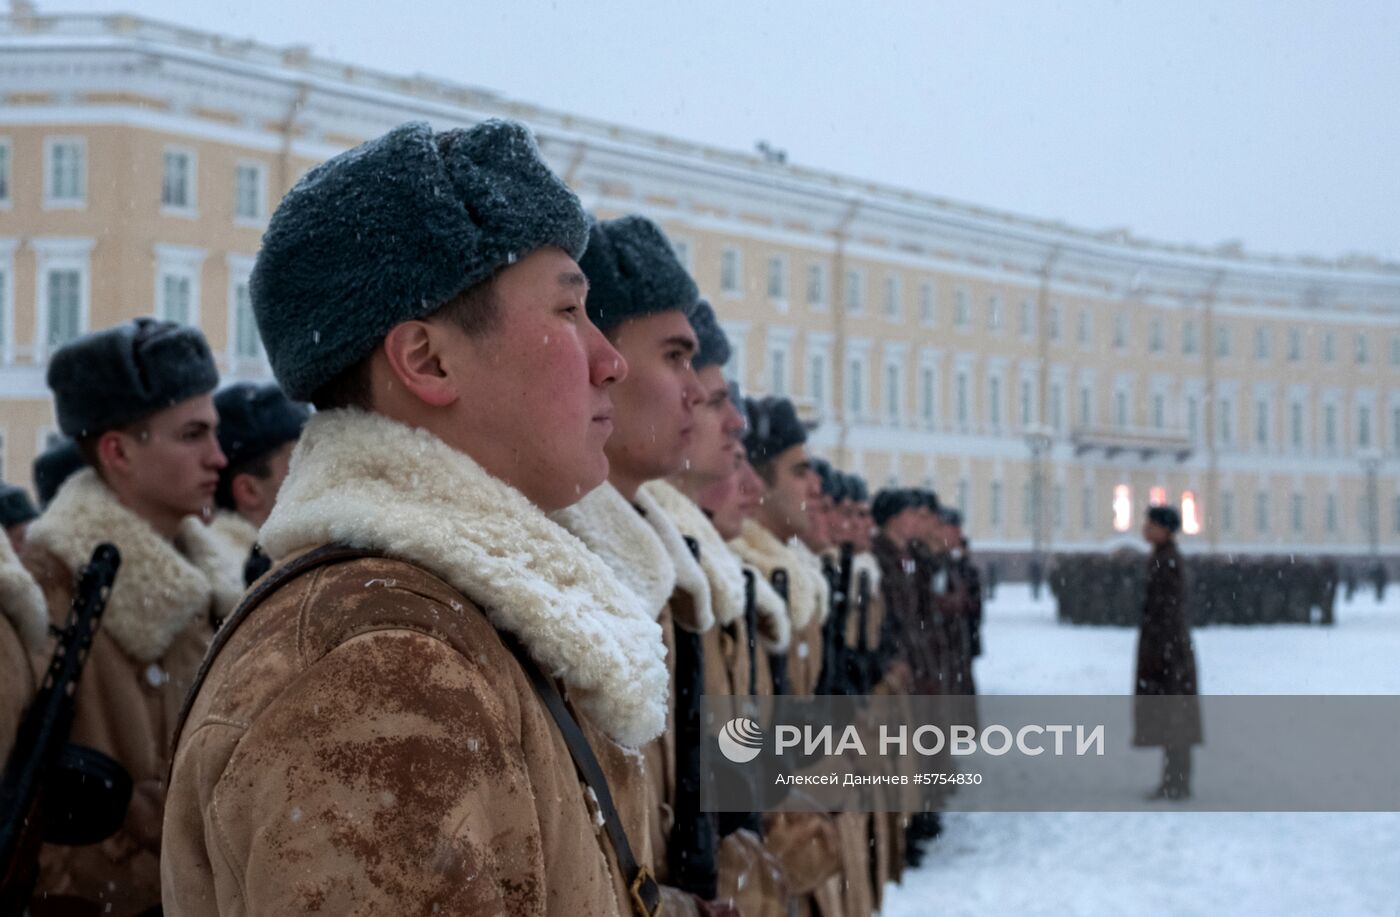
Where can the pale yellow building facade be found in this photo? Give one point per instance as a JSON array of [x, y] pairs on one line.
[[1050, 381]]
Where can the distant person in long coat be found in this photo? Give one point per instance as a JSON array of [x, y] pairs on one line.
[[1166, 663]]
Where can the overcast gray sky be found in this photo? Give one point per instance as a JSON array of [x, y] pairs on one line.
[[1274, 123]]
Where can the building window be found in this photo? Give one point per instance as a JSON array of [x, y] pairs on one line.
[[1193, 418], [855, 291], [926, 395], [816, 284], [928, 305], [962, 398], [1261, 343], [1188, 337], [1057, 407], [4, 172], [1331, 514], [1222, 341], [1026, 326], [892, 305], [175, 303], [964, 497], [1261, 423], [1054, 322], [994, 312], [962, 308], [855, 388], [1227, 430], [892, 387], [1086, 508], [247, 345], [1261, 513], [65, 162], [1329, 426], [1086, 406], [1363, 354], [1227, 512], [1295, 425], [1120, 330], [1159, 411], [778, 369], [63, 306], [777, 277], [1083, 327], [1027, 506], [177, 180], [1295, 345], [730, 272], [994, 401], [1059, 520], [1120, 409], [1363, 427], [250, 193], [1298, 513], [816, 380], [996, 504], [1329, 347], [1026, 408], [1156, 341]]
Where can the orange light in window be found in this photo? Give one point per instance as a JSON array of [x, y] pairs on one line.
[[1122, 508], [1157, 496], [1190, 515]]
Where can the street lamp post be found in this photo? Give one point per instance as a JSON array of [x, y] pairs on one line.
[[1039, 438]]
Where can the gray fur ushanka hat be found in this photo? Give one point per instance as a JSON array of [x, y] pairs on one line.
[[714, 347], [632, 272], [110, 378], [773, 429], [15, 506], [392, 230]]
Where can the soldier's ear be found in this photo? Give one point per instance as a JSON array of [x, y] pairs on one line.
[[414, 352]]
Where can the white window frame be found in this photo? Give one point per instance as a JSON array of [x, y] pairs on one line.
[[8, 246], [240, 269], [1262, 514], [1329, 347], [184, 262], [962, 309], [731, 287], [893, 295], [1190, 338], [928, 304], [857, 409], [995, 318], [60, 253], [818, 348], [996, 394], [1361, 351], [1056, 322], [853, 291], [1222, 342], [818, 270], [738, 335], [190, 208], [1263, 343], [1026, 320], [928, 395], [1157, 336], [776, 270], [259, 219], [1295, 345], [65, 203], [1084, 328], [1121, 337], [964, 403], [777, 361], [892, 356]]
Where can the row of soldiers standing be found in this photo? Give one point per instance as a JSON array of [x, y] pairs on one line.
[[529, 525]]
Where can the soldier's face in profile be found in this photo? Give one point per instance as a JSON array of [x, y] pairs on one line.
[[532, 394], [793, 491], [714, 445], [170, 462], [654, 420]]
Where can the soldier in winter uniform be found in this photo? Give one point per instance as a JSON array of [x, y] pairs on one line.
[[432, 703], [1168, 714], [258, 428], [136, 398], [23, 622]]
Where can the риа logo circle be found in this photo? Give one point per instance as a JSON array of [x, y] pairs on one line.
[[741, 740]]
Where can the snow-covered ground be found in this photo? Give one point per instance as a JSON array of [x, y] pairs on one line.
[[1169, 864]]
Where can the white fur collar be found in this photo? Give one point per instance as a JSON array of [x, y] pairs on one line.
[[773, 624], [811, 565], [235, 537], [21, 599], [721, 565], [806, 588], [371, 482], [161, 587], [643, 549]]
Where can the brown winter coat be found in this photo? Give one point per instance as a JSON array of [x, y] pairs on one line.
[[900, 591], [365, 743], [153, 634], [23, 618], [1166, 662]]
